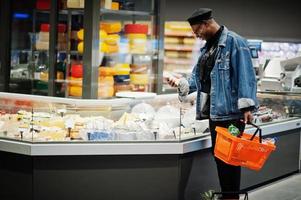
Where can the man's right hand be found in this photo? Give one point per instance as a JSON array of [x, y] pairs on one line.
[[172, 81]]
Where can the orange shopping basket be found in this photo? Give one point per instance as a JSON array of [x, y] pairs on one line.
[[246, 151]]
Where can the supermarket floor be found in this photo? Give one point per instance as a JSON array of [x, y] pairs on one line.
[[285, 189]]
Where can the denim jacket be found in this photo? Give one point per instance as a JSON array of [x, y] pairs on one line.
[[233, 82]]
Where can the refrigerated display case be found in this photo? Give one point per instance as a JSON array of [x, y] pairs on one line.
[[52, 138]]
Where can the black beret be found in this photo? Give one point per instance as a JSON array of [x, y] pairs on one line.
[[200, 15]]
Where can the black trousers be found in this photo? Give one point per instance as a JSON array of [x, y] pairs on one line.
[[229, 175]]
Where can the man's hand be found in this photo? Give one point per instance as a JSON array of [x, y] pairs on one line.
[[172, 81], [248, 117]]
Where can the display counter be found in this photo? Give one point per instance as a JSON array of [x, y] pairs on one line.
[[127, 164]]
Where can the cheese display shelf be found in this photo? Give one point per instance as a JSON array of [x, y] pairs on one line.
[[128, 49]]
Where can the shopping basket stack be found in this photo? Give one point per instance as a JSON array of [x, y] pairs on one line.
[[246, 151]]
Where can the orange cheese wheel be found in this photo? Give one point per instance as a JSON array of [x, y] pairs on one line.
[[110, 27]]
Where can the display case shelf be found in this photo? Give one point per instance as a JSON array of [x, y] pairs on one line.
[[125, 12]]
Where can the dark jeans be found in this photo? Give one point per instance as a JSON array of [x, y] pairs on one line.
[[229, 175]]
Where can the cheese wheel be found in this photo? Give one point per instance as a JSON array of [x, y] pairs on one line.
[[122, 69], [46, 27], [42, 45], [190, 41], [110, 27], [106, 80], [115, 6], [110, 48], [122, 87], [43, 4], [136, 28], [73, 3], [43, 37], [80, 34], [139, 79], [77, 70], [103, 47], [105, 91], [112, 39], [75, 91], [132, 36], [106, 71], [76, 81]]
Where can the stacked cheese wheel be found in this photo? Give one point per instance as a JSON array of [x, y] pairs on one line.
[[42, 41], [112, 39], [139, 77], [76, 80], [102, 45], [105, 81], [137, 36], [122, 77], [108, 37]]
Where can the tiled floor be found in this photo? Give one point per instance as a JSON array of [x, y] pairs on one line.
[[285, 189]]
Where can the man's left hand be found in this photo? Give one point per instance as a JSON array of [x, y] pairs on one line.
[[248, 117]]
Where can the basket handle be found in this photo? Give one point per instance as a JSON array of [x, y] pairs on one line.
[[258, 129]]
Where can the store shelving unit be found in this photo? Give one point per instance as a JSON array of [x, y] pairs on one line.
[[91, 15]]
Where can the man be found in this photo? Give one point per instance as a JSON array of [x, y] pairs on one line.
[[225, 82]]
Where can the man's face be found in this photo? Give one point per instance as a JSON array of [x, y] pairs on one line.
[[200, 31]]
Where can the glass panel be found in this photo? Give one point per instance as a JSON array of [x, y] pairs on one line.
[[29, 49], [52, 119], [181, 51]]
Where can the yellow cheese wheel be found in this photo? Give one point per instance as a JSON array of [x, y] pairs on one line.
[[106, 81], [75, 91], [80, 34], [76, 81], [172, 40], [190, 41], [122, 69], [139, 79], [102, 34], [103, 47], [136, 36], [111, 48], [106, 71], [112, 39], [110, 27], [80, 47]]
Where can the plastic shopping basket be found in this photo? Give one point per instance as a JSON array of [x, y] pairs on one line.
[[246, 151]]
